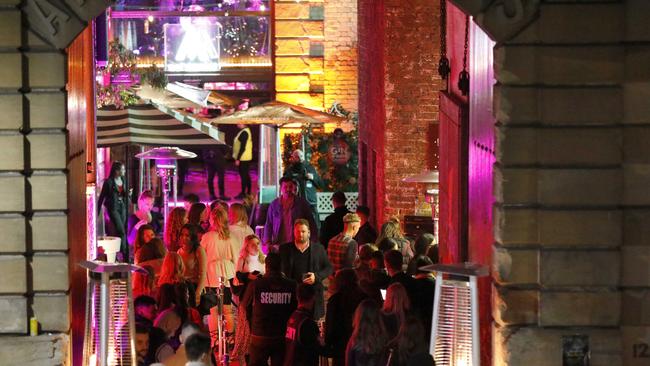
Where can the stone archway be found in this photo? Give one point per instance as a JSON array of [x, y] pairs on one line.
[[59, 22]]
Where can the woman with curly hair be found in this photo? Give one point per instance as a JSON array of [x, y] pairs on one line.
[[221, 252], [391, 229], [367, 343], [144, 235], [194, 258], [177, 218]]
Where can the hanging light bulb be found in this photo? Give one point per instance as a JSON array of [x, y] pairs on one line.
[[262, 7], [150, 18]]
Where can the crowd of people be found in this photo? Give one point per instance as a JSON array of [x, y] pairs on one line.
[[297, 295]]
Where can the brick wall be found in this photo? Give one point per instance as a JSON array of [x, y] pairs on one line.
[[400, 45], [340, 79], [371, 29], [571, 184], [316, 53], [33, 196]]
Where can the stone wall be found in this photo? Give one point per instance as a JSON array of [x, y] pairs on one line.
[[33, 195], [571, 185], [408, 64]]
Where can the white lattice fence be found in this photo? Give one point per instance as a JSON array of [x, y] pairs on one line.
[[325, 203]]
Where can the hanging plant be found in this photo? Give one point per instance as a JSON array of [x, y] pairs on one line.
[[154, 76], [120, 59]]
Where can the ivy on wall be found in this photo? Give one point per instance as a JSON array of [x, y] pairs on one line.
[[334, 155]]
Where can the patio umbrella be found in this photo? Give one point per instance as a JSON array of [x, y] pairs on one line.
[[202, 97], [280, 114]]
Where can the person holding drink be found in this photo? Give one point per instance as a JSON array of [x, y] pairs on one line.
[[307, 263]]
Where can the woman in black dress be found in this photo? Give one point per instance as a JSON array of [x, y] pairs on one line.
[[114, 196]]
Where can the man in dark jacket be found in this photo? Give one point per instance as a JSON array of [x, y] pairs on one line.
[[333, 223], [308, 180], [393, 260], [367, 234], [306, 262], [302, 344], [269, 302]]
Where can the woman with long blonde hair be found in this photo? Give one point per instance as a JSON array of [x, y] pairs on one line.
[[177, 218], [396, 305], [391, 229], [238, 220], [221, 252], [366, 346]]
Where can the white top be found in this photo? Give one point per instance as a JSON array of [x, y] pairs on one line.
[[221, 255], [250, 263], [240, 231]]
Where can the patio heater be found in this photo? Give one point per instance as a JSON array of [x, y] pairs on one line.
[[455, 326], [166, 158], [110, 327]]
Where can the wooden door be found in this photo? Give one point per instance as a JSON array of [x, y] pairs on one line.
[[480, 163], [453, 179]]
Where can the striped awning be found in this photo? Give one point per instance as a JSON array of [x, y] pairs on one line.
[[147, 125]]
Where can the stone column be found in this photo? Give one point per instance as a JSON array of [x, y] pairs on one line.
[[561, 187], [33, 195]]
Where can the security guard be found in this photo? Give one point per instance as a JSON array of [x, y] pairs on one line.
[[242, 151], [302, 344], [269, 302]]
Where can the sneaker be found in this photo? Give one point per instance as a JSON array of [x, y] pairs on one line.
[[240, 196], [213, 198], [224, 198]]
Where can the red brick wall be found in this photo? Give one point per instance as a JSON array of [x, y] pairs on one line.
[[371, 28], [340, 64], [398, 86]]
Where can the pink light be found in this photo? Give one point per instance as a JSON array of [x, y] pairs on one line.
[[91, 222]]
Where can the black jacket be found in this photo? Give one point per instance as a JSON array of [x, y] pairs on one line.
[[319, 264], [333, 225], [338, 321], [111, 197], [269, 302], [301, 340], [306, 187], [366, 235]]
